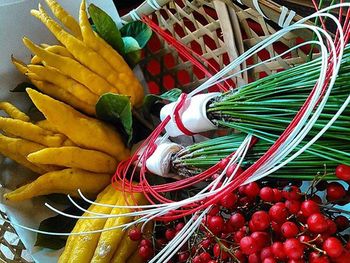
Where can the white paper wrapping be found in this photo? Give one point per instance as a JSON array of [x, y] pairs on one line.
[[194, 116]]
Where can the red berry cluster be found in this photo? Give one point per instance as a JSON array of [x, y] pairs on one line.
[[266, 224], [145, 246]]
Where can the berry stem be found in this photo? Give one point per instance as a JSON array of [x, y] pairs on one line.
[[335, 209], [314, 247]]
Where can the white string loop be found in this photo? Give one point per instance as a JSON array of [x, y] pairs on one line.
[[134, 15], [153, 4], [285, 20], [258, 8]]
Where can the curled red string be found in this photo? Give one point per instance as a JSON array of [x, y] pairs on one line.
[[153, 193], [177, 118]]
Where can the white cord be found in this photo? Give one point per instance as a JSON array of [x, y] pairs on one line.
[[134, 15], [283, 21], [258, 8], [154, 4]]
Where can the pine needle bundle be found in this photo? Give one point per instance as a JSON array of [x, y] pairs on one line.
[[198, 157], [264, 108]]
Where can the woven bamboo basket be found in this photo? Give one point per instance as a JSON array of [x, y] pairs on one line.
[[219, 30]]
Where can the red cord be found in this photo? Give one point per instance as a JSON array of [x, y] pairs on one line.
[[182, 49], [153, 193]]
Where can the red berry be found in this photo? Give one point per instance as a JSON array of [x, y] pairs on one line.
[[321, 238], [237, 220], [289, 229], [197, 259], [219, 253], [317, 223], [335, 191], [291, 193], [269, 260], [342, 222], [293, 206], [205, 243], [145, 252], [266, 194], [224, 162], [170, 233], [228, 228], [254, 258], [293, 248], [228, 201], [266, 252], [183, 256], [309, 207], [260, 220], [252, 190], [239, 255], [233, 168], [205, 257], [238, 236], [333, 247], [296, 261], [216, 224], [343, 258], [244, 201], [278, 212], [248, 245], [252, 227], [135, 234], [331, 227], [316, 199], [278, 250], [276, 227], [304, 238], [315, 257], [277, 195], [179, 226], [214, 211], [160, 242], [343, 172], [145, 242], [241, 189], [261, 238]]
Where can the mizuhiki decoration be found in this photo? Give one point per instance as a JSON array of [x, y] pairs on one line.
[[294, 119]]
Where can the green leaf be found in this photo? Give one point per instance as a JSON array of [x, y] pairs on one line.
[[21, 87], [133, 51], [139, 31], [59, 224], [133, 58], [150, 99], [116, 109], [130, 44], [106, 28]]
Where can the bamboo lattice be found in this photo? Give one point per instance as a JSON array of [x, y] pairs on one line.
[[219, 31]]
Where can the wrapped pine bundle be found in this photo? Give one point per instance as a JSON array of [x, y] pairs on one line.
[[264, 109]]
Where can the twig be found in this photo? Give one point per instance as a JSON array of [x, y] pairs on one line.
[[142, 120]]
